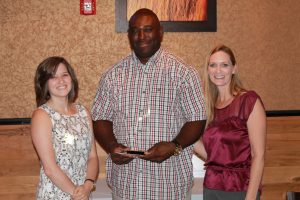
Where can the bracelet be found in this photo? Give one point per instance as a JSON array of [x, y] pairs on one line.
[[94, 184], [88, 179], [178, 148]]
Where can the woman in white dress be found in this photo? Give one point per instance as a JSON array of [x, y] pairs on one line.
[[62, 134]]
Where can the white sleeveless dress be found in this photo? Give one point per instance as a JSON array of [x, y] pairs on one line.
[[71, 138]]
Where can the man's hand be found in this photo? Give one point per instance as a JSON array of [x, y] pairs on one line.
[[118, 155], [159, 152]]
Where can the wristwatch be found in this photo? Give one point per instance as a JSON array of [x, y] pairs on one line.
[[94, 184], [178, 148]]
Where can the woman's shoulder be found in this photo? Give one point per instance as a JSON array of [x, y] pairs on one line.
[[41, 110], [247, 102], [82, 110], [40, 115], [44, 108], [79, 106], [248, 93], [248, 96]]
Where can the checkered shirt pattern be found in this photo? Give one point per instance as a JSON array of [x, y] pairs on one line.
[[149, 104]]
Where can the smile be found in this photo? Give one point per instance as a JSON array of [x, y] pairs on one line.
[[219, 77], [61, 87]]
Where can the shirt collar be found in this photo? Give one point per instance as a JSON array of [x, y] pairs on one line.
[[152, 59]]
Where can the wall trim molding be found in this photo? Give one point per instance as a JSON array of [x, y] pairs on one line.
[[282, 113], [14, 121]]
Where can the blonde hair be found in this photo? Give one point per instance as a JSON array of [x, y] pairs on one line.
[[211, 90]]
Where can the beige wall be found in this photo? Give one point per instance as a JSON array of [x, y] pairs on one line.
[[265, 35]]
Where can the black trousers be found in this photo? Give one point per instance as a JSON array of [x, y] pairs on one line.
[[209, 194]]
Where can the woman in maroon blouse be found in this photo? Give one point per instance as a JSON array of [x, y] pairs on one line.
[[233, 144]]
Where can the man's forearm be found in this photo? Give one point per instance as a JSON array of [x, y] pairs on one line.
[[103, 131], [190, 133]]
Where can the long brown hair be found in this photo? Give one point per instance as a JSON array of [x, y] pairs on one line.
[[211, 90], [46, 70]]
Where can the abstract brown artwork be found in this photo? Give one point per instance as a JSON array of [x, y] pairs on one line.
[[172, 10], [175, 15]]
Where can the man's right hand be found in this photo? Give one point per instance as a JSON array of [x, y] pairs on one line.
[[118, 155], [103, 130]]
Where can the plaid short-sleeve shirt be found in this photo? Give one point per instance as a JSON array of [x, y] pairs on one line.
[[148, 104]]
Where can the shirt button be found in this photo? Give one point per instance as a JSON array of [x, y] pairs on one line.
[[140, 118]]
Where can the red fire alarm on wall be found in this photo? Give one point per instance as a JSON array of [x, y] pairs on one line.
[[88, 7]]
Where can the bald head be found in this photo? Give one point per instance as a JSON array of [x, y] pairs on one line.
[[144, 12], [144, 34]]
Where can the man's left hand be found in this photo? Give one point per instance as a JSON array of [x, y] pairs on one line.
[[159, 152]]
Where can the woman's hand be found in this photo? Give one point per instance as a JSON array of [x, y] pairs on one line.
[[80, 193]]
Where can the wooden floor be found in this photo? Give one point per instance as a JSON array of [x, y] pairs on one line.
[[282, 165], [19, 165]]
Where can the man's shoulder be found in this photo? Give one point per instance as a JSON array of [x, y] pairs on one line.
[[170, 56], [174, 61], [119, 66]]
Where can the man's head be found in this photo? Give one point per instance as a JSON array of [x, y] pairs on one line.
[[145, 34]]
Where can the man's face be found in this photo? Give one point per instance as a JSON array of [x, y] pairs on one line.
[[145, 36]]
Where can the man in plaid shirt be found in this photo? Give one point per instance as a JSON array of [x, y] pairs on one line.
[[149, 101]]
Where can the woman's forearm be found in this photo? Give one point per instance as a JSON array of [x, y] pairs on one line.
[[256, 173]]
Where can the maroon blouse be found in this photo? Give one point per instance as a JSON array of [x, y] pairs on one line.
[[228, 147]]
